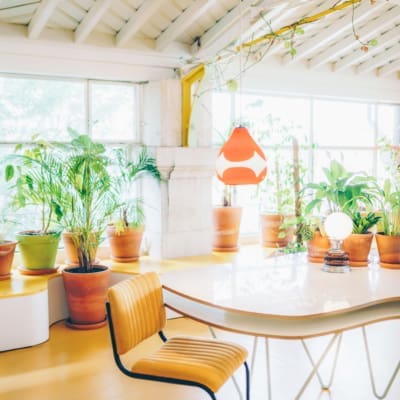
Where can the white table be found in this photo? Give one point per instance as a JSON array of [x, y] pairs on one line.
[[286, 297]]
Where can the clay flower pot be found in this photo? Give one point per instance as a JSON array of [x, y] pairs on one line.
[[7, 249], [226, 228], [317, 247], [389, 250], [86, 296], [358, 246], [125, 245], [71, 254], [271, 231]]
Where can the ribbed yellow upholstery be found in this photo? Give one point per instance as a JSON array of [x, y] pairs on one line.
[[137, 310], [207, 361]]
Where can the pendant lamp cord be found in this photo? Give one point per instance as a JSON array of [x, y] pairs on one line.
[[240, 62]]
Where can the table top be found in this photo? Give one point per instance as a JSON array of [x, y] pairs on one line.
[[285, 287]]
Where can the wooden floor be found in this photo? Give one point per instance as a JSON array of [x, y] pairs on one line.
[[79, 365]]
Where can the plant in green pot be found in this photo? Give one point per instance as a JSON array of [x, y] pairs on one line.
[[88, 204], [354, 194], [34, 174], [125, 233]]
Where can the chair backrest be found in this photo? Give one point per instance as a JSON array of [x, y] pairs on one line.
[[137, 310]]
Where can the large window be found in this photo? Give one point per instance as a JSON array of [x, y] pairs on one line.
[[348, 131], [47, 107]]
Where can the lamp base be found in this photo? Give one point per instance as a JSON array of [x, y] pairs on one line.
[[336, 261]]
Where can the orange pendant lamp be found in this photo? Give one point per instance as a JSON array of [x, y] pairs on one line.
[[241, 160]]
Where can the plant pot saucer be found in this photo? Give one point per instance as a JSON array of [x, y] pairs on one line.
[[124, 259], [226, 249], [389, 265], [358, 263], [5, 276], [42, 271], [85, 327]]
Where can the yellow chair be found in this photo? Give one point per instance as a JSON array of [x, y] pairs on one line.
[[136, 311]]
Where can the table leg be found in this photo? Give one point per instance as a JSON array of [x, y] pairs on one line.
[[268, 364], [317, 365], [329, 384], [371, 375]]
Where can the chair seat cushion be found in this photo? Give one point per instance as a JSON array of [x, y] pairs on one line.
[[210, 362]]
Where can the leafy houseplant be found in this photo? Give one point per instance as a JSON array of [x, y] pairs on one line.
[[88, 203], [388, 240], [34, 174], [126, 231], [353, 194]]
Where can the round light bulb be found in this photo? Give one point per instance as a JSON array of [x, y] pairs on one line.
[[338, 226]]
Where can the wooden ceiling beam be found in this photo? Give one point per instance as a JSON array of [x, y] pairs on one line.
[[379, 60], [40, 18], [184, 20], [137, 21], [327, 35], [366, 33], [385, 40], [91, 19]]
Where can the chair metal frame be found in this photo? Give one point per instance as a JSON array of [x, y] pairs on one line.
[[131, 374]]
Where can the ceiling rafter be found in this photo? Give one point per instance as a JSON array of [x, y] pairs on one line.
[[385, 40], [182, 22], [91, 19], [336, 29], [379, 60], [41, 17], [365, 33], [137, 21], [222, 31], [390, 68]]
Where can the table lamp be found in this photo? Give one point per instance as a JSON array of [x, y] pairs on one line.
[[338, 226]]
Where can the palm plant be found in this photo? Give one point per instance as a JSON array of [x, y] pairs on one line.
[[130, 212], [88, 199], [36, 175]]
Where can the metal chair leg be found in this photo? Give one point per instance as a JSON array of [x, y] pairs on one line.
[[307, 351], [371, 375], [213, 334]]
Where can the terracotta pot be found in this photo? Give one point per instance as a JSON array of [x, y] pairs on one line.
[[317, 247], [125, 246], [358, 247], [86, 296], [389, 250], [7, 249], [226, 228], [71, 254], [271, 229], [38, 251]]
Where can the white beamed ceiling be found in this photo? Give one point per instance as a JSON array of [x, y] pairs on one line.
[[175, 33]]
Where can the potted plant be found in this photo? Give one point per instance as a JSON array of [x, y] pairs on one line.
[[126, 232], [88, 204], [7, 247], [34, 174], [226, 222], [278, 209], [388, 239], [353, 194]]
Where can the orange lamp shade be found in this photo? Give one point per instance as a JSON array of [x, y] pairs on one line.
[[241, 160]]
